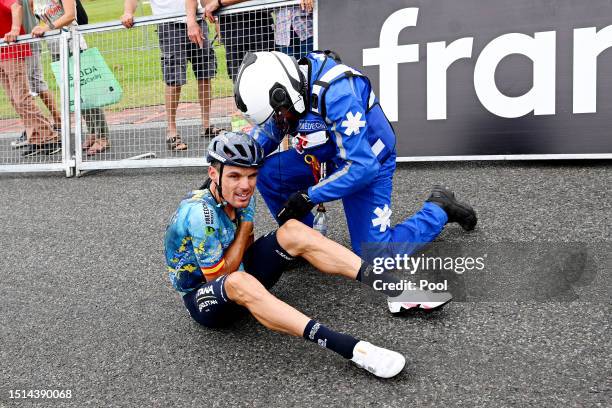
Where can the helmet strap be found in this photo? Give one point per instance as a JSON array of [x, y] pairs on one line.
[[222, 202]]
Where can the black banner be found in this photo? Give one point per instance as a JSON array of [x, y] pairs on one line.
[[474, 78]]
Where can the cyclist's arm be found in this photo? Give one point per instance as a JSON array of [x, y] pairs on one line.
[[206, 240], [234, 253]]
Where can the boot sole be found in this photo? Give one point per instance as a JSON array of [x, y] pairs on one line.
[[424, 306]]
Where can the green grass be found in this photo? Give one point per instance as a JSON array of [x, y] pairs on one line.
[[133, 56]]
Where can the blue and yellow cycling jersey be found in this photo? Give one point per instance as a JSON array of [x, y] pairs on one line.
[[196, 239]]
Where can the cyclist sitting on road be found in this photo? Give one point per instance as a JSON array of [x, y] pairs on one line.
[[214, 263]]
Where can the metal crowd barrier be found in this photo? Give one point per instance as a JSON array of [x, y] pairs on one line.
[[116, 116], [13, 146]]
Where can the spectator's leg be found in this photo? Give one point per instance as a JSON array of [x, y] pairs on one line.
[[38, 128], [253, 34], [173, 42], [39, 86], [203, 64], [204, 98], [173, 95], [229, 26], [234, 52], [98, 128], [96, 122], [49, 101], [4, 80]]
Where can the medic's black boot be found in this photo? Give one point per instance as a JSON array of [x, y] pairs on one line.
[[458, 212]]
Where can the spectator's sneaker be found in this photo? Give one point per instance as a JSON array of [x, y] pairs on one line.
[[33, 150], [52, 148], [21, 141], [377, 360], [458, 212], [418, 300], [47, 148]]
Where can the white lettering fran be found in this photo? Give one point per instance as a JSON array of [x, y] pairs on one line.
[[540, 49], [588, 45], [541, 98], [390, 54], [439, 58]]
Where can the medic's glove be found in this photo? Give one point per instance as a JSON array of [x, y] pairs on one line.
[[297, 206], [247, 214]]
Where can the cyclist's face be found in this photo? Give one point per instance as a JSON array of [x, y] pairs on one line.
[[238, 185]]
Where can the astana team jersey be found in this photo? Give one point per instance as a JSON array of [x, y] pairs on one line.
[[197, 236]]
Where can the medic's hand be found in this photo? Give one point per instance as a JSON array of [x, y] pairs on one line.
[[297, 206], [247, 214]]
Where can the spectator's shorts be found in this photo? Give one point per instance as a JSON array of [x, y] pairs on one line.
[[176, 49], [36, 80], [249, 31], [208, 304]]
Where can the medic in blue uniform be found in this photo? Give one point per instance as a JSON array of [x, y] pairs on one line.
[[333, 114]]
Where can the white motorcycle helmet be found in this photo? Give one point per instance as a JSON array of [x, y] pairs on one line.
[[267, 82]]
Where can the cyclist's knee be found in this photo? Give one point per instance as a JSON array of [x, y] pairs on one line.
[[296, 237], [243, 288]]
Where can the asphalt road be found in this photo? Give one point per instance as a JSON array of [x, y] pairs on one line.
[[86, 305]]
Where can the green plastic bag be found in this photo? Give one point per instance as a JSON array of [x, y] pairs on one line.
[[99, 87]]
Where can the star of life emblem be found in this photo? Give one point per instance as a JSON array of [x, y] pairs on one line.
[[383, 218], [353, 123]]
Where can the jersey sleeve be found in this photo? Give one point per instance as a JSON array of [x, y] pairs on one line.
[[203, 226], [346, 118]]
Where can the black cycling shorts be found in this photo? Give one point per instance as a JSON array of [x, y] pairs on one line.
[[264, 259]]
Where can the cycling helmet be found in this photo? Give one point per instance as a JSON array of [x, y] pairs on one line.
[[267, 82], [235, 149]]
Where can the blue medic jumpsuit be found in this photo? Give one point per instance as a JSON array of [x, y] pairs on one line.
[[360, 155]]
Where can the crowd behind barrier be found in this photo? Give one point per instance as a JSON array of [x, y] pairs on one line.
[[126, 113]]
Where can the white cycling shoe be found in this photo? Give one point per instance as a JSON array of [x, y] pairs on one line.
[[377, 360], [418, 299]]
